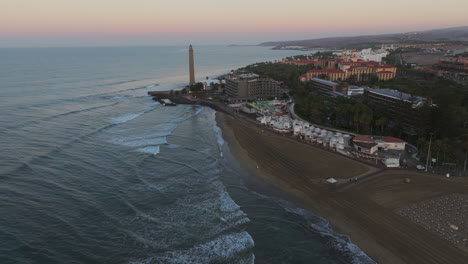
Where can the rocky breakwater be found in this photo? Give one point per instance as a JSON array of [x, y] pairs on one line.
[[189, 99]]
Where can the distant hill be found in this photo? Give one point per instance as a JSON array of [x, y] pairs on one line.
[[446, 34]]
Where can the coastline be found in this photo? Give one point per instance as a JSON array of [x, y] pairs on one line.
[[295, 169]]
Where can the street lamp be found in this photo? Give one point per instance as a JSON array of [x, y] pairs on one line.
[[428, 151]]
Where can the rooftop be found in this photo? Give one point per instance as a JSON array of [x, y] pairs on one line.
[[393, 140], [363, 138], [385, 66], [324, 81], [355, 88], [325, 71], [395, 94]]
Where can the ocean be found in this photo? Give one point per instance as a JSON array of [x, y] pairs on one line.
[[92, 170]]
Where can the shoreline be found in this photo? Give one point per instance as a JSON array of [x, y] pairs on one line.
[[271, 159], [296, 195]]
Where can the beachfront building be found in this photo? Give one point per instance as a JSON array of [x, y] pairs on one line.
[[403, 107], [391, 143], [248, 86], [365, 144], [370, 144], [386, 149], [282, 124], [328, 87]]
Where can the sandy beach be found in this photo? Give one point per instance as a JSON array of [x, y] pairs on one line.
[[366, 211]]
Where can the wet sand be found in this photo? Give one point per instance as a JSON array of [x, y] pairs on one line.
[[365, 211]]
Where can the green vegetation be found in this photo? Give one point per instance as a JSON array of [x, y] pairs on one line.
[[324, 55], [319, 55], [451, 98], [355, 114], [196, 87], [448, 119], [288, 74]]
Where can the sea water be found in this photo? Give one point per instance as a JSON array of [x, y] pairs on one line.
[[93, 171]]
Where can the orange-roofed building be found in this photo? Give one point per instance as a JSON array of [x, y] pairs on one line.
[[345, 67], [363, 138], [329, 74]]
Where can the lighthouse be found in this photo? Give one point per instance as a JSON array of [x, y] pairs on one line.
[[191, 66]]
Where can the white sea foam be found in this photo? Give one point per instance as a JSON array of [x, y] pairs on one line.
[[153, 150], [141, 142], [199, 110], [117, 97], [132, 138], [219, 137], [125, 118], [143, 138], [229, 248], [197, 221], [322, 226]]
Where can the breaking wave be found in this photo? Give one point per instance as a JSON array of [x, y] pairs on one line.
[[153, 150], [229, 248], [340, 242], [125, 118]]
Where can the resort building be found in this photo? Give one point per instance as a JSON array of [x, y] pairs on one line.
[[386, 149], [245, 86], [354, 90], [365, 144], [403, 107], [345, 67], [331, 75], [328, 87], [369, 144]]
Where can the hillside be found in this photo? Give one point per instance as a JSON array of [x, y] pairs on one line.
[[446, 34]]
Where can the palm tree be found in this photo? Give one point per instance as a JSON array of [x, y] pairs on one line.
[[437, 147], [382, 122], [465, 146], [445, 147], [362, 115]]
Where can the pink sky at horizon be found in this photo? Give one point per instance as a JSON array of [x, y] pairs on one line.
[[208, 21]]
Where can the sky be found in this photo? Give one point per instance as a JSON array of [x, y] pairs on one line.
[[42, 23]]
